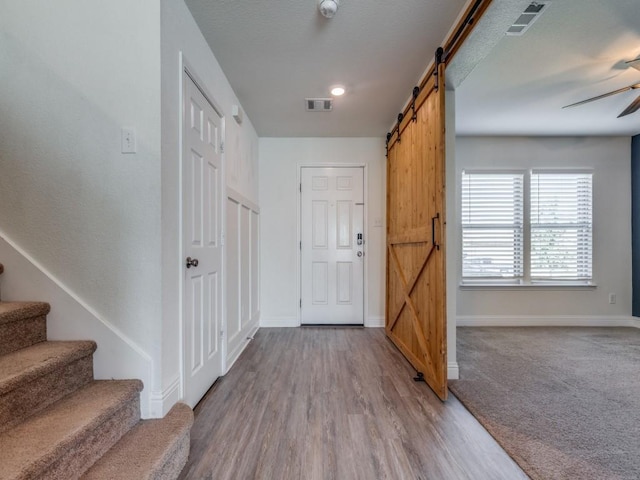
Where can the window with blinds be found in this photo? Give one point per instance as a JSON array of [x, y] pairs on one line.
[[550, 241], [561, 226], [492, 225]]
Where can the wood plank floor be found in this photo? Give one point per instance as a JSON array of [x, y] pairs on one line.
[[335, 403]]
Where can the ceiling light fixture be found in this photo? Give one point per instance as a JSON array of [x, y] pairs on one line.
[[328, 8], [337, 90]]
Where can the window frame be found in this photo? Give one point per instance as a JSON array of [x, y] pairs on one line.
[[516, 279], [526, 281]]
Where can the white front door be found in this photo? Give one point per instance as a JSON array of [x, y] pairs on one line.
[[332, 245], [201, 236]]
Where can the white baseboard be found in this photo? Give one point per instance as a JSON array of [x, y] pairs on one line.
[[287, 322], [71, 318], [247, 335], [635, 322], [253, 331], [546, 321], [453, 371], [277, 322], [160, 402]]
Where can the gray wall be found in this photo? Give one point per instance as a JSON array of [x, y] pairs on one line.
[[609, 160]]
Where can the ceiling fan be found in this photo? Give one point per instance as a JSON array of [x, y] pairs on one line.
[[633, 107]]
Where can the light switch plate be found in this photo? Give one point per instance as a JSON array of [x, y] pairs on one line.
[[128, 140]]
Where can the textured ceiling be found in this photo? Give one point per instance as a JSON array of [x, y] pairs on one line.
[[575, 50], [277, 53]]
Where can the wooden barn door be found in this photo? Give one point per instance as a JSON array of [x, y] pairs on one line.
[[416, 315]]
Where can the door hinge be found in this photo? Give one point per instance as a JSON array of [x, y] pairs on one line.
[[301, 188], [300, 303], [300, 245], [221, 147], [221, 333], [222, 239]]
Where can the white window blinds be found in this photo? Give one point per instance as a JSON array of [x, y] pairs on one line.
[[492, 225], [561, 226]]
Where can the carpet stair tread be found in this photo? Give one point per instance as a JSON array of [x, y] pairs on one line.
[[33, 362], [151, 450], [30, 448], [34, 377], [22, 324], [58, 423], [14, 311]]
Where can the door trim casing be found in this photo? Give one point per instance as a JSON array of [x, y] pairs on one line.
[[186, 68], [365, 283]]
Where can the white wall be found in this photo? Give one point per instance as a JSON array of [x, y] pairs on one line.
[[73, 73], [280, 159], [453, 371], [610, 160], [102, 225], [71, 319], [180, 34]]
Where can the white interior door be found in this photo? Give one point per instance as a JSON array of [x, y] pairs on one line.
[[202, 249], [332, 260]]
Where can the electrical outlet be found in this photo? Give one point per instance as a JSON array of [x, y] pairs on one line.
[[612, 298], [128, 140]]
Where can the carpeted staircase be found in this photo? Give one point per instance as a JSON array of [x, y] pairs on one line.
[[57, 422]]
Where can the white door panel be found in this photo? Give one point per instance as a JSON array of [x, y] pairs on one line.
[[332, 272], [234, 318], [201, 197]]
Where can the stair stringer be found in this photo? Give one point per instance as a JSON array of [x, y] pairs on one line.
[[117, 357]]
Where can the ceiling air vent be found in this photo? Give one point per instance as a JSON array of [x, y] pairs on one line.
[[319, 104], [527, 18]]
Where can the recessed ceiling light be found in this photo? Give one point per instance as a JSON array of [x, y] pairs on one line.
[[337, 90]]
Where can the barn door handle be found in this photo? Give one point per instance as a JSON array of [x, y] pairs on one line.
[[433, 231]]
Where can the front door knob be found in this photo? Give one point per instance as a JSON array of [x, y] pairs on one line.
[[192, 262]]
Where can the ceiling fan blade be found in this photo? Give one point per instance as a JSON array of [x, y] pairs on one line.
[[635, 105], [615, 92], [634, 63]]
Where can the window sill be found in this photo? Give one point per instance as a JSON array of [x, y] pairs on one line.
[[528, 286]]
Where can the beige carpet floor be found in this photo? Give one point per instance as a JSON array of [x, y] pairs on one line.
[[563, 402]]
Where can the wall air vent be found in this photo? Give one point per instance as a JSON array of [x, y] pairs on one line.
[[319, 104], [527, 18]]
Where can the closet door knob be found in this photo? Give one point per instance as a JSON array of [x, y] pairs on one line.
[[192, 262]]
